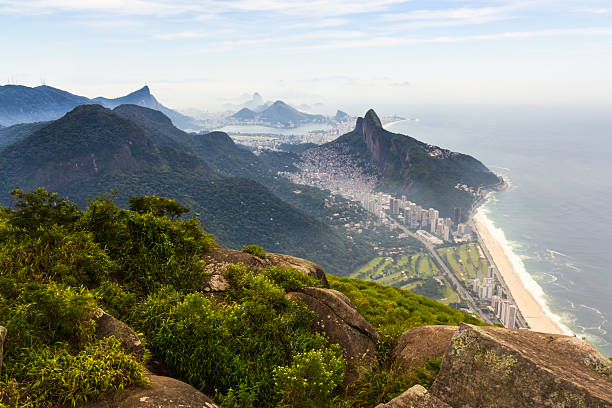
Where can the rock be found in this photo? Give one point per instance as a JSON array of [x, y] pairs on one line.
[[344, 325], [218, 259], [416, 346], [415, 397], [497, 367], [2, 337], [299, 264], [164, 392], [107, 325]]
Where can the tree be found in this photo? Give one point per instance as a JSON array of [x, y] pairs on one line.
[[158, 206]]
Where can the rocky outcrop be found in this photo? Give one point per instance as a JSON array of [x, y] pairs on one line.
[[2, 337], [497, 367], [416, 346], [343, 325], [164, 392], [415, 397], [107, 325], [218, 259]]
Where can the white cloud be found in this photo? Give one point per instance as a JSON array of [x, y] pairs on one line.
[[386, 41], [595, 10], [319, 8], [179, 35]]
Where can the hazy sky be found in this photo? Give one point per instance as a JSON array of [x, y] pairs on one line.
[[204, 53]]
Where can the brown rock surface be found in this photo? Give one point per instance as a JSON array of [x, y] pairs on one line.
[[415, 397], [107, 325], [497, 367], [217, 260], [416, 346], [344, 325], [164, 392]]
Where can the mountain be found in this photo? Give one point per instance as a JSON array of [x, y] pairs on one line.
[[21, 104], [245, 114], [426, 174], [279, 114], [92, 150], [255, 101], [341, 116], [12, 134], [143, 97]]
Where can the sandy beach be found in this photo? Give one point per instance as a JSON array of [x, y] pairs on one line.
[[530, 308]]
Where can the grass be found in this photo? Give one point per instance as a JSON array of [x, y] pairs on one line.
[[405, 271], [466, 261]]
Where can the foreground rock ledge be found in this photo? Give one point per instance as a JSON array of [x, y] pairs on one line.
[[339, 319], [164, 392], [416, 346], [415, 397], [218, 259], [497, 367]]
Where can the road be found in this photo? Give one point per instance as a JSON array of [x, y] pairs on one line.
[[464, 294]]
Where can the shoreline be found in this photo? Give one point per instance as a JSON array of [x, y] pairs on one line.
[[530, 308]]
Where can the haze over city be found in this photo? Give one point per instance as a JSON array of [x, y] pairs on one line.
[[351, 54]]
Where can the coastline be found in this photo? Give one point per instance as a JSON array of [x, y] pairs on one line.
[[534, 313]]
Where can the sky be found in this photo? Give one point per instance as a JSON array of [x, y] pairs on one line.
[[348, 53]]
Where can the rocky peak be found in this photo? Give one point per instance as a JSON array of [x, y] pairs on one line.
[[372, 118]]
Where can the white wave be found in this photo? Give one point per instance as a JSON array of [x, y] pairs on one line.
[[552, 253], [519, 267]]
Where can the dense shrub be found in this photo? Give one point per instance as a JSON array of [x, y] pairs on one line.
[[255, 250], [289, 279], [382, 384], [57, 265], [311, 378], [232, 348], [50, 376]]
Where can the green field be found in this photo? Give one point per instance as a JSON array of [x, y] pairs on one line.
[[416, 272], [466, 261]]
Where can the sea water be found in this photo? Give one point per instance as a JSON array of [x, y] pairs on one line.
[[556, 215]]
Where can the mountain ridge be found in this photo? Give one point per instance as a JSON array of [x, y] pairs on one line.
[[23, 104], [279, 114]]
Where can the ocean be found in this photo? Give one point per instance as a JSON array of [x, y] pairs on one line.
[[556, 215]]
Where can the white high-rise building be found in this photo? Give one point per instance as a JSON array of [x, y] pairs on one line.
[[511, 317], [433, 219]]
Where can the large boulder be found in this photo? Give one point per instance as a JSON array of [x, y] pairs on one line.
[[2, 337], [107, 326], [416, 346], [339, 319], [218, 259], [497, 367], [415, 397], [164, 392]]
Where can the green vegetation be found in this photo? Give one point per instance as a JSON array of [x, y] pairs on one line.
[[417, 272], [59, 264], [384, 383], [255, 250], [392, 311], [395, 310], [252, 347], [466, 261]]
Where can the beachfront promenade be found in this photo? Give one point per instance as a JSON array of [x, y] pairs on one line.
[[532, 311]]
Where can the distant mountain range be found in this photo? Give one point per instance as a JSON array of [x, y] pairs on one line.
[[279, 114], [22, 104], [137, 151]]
